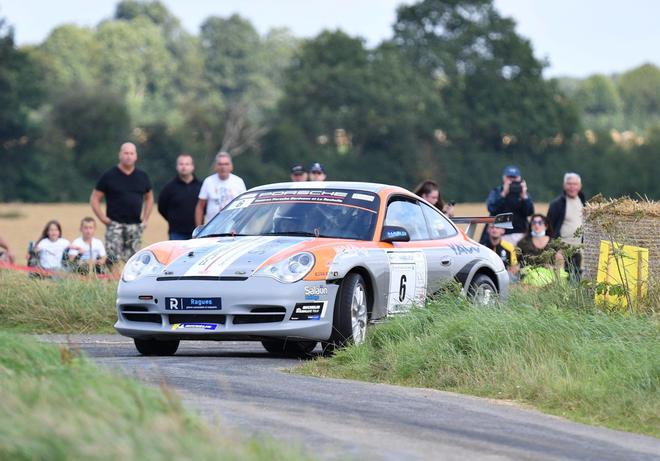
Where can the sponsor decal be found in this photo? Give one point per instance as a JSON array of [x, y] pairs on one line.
[[395, 233], [309, 311], [315, 292], [365, 200], [175, 304], [464, 249], [195, 326], [358, 196]]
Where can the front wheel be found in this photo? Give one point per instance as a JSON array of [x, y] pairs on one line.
[[288, 348], [156, 347], [350, 315], [482, 290]]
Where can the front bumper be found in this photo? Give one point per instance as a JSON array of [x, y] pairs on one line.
[[252, 309]]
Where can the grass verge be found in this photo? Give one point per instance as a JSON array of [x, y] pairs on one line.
[[57, 405], [66, 305], [593, 367]]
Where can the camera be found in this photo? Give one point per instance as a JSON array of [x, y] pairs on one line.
[[515, 188]]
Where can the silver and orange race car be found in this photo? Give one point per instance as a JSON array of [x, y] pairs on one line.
[[293, 264]]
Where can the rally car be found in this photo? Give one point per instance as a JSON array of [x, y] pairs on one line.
[[293, 264]]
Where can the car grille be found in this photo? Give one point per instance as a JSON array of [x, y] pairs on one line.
[[149, 318], [266, 314], [197, 318]]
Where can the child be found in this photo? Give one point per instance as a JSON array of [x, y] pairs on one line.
[[51, 246], [89, 249]]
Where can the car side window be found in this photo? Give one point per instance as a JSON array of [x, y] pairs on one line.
[[407, 214], [439, 226]]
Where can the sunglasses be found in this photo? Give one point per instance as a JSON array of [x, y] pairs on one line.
[[538, 221]]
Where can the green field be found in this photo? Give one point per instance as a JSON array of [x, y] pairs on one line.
[[594, 367], [56, 405]]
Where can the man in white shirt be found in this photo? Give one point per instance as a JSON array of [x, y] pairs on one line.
[[218, 189], [565, 218]]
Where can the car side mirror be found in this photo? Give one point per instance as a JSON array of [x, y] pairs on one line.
[[394, 234], [196, 231]]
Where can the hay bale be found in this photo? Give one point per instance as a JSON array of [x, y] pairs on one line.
[[622, 220]]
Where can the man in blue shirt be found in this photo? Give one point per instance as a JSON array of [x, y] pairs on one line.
[[512, 197]]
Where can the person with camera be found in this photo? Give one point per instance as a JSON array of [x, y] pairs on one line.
[[512, 197]]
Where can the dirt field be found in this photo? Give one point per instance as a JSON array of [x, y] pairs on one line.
[[22, 222]]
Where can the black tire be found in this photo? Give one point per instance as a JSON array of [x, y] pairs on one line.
[[289, 348], [156, 347], [482, 290], [342, 327]]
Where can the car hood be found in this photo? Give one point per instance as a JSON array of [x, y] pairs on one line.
[[223, 256]]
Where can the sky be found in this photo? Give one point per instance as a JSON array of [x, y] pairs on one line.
[[577, 37]]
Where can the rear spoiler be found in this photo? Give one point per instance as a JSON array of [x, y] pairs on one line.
[[503, 221]]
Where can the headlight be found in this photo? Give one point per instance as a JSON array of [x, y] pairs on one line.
[[140, 265], [290, 269]]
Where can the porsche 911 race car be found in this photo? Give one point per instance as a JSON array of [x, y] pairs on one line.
[[293, 264]]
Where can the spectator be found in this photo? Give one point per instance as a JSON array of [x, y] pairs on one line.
[[178, 199], [511, 197], [129, 200], [87, 248], [504, 249], [218, 189], [430, 191], [565, 218], [51, 246], [539, 255], [317, 172], [6, 255], [298, 173]]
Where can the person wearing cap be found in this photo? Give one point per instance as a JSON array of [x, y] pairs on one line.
[[511, 197], [317, 172], [298, 173]]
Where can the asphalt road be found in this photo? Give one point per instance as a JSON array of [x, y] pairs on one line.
[[237, 385]]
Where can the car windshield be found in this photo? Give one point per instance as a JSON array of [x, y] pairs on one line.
[[330, 213]]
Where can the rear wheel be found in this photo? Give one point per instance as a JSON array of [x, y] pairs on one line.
[[156, 347], [350, 314], [289, 348], [482, 290]]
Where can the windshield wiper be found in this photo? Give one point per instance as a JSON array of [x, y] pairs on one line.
[[225, 234], [299, 233]]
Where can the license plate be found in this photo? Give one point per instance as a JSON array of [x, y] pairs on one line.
[[186, 304]]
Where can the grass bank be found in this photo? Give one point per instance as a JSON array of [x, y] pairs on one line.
[[593, 367], [68, 305], [56, 405]]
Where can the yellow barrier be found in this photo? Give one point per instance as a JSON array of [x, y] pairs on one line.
[[623, 272]]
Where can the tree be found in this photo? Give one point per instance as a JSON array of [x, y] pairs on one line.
[[640, 91], [489, 78], [21, 91]]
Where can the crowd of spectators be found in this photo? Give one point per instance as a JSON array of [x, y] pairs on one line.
[[534, 250]]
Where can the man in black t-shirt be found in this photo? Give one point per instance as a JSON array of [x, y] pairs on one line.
[[178, 199], [129, 200]]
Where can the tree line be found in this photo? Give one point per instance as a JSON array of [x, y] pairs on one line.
[[454, 95]]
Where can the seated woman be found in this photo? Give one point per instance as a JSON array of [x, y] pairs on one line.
[[540, 257]]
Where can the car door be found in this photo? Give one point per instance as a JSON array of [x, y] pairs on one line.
[[441, 232], [414, 266]]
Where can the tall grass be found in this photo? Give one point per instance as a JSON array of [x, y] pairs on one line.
[[66, 305], [56, 405], [595, 367]]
